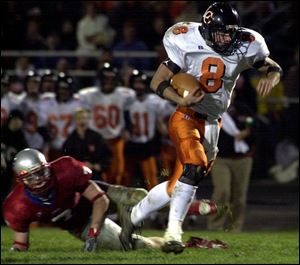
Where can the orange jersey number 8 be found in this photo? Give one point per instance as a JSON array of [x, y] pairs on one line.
[[213, 69]]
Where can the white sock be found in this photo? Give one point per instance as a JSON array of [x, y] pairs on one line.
[[181, 200], [157, 198]]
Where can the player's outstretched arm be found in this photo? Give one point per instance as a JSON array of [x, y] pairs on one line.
[[273, 73], [20, 242], [100, 206]]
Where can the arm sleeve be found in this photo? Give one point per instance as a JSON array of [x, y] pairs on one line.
[[258, 50], [173, 50], [14, 218], [82, 176]]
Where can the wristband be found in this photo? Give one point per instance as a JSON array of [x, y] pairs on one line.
[[100, 194], [275, 69], [173, 67], [25, 245], [94, 232], [161, 88]]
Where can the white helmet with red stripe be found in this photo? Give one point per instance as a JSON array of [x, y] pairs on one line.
[[31, 168]]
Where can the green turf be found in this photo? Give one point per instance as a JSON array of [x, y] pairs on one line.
[[53, 246]]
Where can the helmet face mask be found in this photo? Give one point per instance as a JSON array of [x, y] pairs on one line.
[[31, 168], [48, 81], [64, 87], [108, 77], [37, 182], [220, 28], [139, 82]]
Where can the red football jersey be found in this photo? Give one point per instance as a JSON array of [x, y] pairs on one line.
[[70, 177]]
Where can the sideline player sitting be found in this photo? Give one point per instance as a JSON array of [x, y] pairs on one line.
[[47, 193]]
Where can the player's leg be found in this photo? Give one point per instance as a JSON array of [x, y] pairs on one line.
[[122, 195], [116, 170], [221, 178], [109, 238], [241, 169], [188, 134], [149, 170], [130, 218], [157, 198]]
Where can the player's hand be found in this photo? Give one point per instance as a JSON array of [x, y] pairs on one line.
[[266, 84], [90, 244], [193, 98]]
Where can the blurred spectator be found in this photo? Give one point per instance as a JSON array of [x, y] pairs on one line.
[[12, 134], [68, 35], [4, 82], [33, 39], [87, 145], [14, 99], [129, 43], [160, 24], [52, 43], [138, 12], [232, 169], [286, 167], [12, 141], [62, 66], [291, 92], [189, 13], [84, 64], [48, 82], [93, 30], [22, 67]]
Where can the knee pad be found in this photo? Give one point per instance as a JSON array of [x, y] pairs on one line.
[[192, 174]]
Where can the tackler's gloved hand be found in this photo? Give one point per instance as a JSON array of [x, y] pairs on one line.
[[90, 244]]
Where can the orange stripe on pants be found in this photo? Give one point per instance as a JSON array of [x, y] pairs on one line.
[[149, 169]]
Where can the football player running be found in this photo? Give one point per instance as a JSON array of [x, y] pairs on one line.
[[214, 51], [62, 193]]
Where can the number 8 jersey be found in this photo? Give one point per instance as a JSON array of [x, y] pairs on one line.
[[217, 73]]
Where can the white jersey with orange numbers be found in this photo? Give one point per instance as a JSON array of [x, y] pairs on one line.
[[144, 115], [107, 109], [217, 74], [59, 116], [33, 120]]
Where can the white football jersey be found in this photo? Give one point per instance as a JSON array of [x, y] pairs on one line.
[[59, 117], [107, 109], [144, 115], [217, 73], [33, 120], [9, 102]]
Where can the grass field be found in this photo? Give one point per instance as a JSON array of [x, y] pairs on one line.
[[54, 246]]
